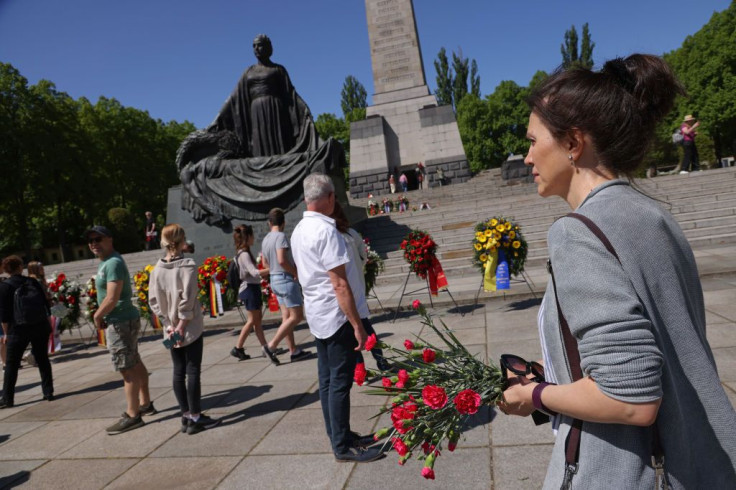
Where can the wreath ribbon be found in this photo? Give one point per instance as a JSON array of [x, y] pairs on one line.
[[437, 278]]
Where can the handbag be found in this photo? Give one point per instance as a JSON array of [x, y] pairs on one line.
[[572, 443]]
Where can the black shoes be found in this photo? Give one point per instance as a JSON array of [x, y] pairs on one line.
[[49, 398], [301, 354], [185, 421], [383, 365], [239, 353], [125, 424], [5, 404], [148, 410], [359, 455], [362, 441], [271, 355], [203, 423]]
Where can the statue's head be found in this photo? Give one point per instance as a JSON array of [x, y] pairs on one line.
[[262, 47]]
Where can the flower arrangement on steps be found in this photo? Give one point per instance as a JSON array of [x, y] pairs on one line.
[[499, 241]]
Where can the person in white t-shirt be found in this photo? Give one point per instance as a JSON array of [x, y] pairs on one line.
[[322, 260]]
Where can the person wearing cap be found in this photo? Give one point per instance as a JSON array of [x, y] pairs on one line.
[[116, 310], [690, 158]]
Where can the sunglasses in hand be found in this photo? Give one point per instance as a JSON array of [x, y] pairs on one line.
[[521, 367]]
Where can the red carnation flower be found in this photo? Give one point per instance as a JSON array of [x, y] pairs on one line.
[[370, 343], [416, 304], [428, 473], [467, 402], [399, 446], [451, 446], [221, 276], [408, 344], [386, 383], [403, 378], [60, 278], [360, 373], [434, 396], [428, 355], [71, 300]]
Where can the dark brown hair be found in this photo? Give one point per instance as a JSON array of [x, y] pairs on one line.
[[12, 264], [341, 221], [276, 217], [618, 106], [240, 236]]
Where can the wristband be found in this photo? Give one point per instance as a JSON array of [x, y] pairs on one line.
[[537, 398]]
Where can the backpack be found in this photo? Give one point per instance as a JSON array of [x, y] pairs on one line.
[[677, 137], [233, 273], [29, 304]]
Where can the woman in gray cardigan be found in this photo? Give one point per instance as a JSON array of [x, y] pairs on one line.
[[639, 320]]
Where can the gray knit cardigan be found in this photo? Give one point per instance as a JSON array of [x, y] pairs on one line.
[[640, 327]]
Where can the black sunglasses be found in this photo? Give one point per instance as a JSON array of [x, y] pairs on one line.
[[521, 367], [96, 239]]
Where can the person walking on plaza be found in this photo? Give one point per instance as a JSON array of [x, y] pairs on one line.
[[250, 293], [392, 183], [172, 295], [276, 254], [117, 313], [24, 312], [630, 379], [690, 158], [152, 242], [322, 258]]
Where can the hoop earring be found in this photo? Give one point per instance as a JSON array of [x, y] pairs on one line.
[[572, 162]]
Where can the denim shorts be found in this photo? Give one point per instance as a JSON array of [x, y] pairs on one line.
[[286, 289], [251, 297], [122, 342]]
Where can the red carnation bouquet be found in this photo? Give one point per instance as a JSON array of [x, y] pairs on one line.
[[419, 251], [435, 392]]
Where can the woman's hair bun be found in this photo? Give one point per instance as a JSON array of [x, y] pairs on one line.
[[617, 70]]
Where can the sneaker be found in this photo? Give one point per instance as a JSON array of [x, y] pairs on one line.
[[203, 423], [301, 354], [359, 455], [271, 355], [5, 404], [49, 398], [362, 441], [125, 424], [185, 421], [148, 410], [239, 353]]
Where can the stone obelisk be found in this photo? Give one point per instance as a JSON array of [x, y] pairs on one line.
[[404, 125]]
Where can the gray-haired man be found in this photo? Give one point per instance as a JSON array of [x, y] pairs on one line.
[[321, 257]]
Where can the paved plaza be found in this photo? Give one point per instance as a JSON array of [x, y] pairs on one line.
[[272, 434]]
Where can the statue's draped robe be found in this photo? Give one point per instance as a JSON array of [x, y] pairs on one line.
[[256, 153]]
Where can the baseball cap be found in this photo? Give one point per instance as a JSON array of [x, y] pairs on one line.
[[99, 229]]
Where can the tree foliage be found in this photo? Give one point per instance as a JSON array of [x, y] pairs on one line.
[[706, 65], [453, 83], [69, 161], [353, 96], [571, 56]]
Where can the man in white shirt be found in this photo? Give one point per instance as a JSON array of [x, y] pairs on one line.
[[321, 257]]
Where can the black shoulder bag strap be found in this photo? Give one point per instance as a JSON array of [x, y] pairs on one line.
[[572, 444]]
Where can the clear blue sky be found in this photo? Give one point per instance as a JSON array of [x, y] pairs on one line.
[[181, 59]]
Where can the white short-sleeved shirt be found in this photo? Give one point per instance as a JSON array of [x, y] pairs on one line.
[[317, 247]]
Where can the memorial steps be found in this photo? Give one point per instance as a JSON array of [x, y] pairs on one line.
[[704, 204]]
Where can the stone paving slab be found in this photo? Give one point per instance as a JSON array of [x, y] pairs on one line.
[[276, 472], [180, 473], [78, 474]]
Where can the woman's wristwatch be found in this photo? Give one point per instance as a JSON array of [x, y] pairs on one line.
[[537, 398]]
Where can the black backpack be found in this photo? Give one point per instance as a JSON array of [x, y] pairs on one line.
[[29, 303], [233, 273]]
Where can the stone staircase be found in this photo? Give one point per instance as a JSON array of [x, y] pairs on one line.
[[704, 203]]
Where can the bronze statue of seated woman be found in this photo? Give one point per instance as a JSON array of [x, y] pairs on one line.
[[259, 148]]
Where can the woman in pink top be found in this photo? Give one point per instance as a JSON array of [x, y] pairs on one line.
[[690, 158]]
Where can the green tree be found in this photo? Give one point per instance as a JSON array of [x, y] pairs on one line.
[[454, 83], [706, 65], [571, 57], [444, 78], [353, 96]]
